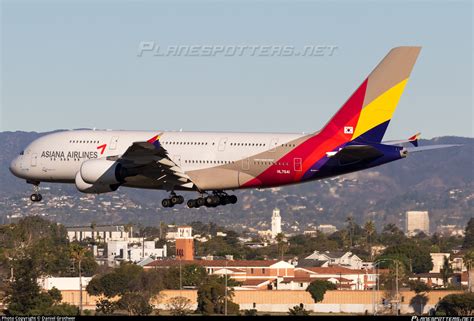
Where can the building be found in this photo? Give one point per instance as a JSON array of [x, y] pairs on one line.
[[276, 223], [338, 301], [450, 230], [435, 280], [327, 228], [277, 275], [416, 222], [185, 243], [331, 258], [99, 233], [119, 250], [438, 261]]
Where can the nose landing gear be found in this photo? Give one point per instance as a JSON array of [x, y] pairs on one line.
[[36, 196]]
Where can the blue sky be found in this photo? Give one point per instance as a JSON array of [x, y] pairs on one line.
[[74, 64]]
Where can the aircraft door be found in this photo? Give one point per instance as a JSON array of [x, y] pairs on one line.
[[222, 144], [34, 160], [246, 164], [273, 144], [113, 143], [177, 159], [298, 164]]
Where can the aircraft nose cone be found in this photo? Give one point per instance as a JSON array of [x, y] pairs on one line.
[[15, 166]]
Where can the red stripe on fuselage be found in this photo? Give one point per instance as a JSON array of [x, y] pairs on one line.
[[316, 147]]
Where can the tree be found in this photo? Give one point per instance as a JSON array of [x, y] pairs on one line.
[[93, 227], [298, 310], [369, 229], [415, 257], [179, 306], [446, 271], [191, 275], [135, 304], [318, 288], [468, 262], [211, 297], [134, 287], [469, 235], [105, 306], [419, 286], [280, 239], [26, 298], [418, 302], [24, 290], [350, 227], [250, 312], [457, 304], [78, 253]]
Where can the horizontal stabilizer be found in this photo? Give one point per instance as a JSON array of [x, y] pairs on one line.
[[356, 153], [413, 140], [430, 147]]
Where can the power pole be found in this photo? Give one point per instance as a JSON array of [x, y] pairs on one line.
[[225, 295], [396, 285], [180, 276], [80, 287]]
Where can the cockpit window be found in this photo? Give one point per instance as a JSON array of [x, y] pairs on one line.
[[22, 152]]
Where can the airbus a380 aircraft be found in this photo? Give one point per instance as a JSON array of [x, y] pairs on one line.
[[211, 163]]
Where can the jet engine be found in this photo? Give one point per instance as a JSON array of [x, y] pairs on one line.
[[102, 171], [93, 188]]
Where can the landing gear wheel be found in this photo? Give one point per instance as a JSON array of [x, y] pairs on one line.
[[175, 200], [224, 200], [36, 197], [191, 203], [167, 202], [233, 199], [201, 201], [212, 201]]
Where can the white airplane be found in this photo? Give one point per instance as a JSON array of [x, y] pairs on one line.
[[212, 163]]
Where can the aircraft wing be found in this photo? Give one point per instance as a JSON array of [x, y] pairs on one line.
[[152, 161]]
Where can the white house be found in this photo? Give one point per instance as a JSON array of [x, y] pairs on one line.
[[345, 259], [118, 250], [99, 233]]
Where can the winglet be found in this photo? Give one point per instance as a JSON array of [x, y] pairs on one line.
[[414, 139], [155, 140]]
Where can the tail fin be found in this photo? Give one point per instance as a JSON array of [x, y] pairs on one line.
[[366, 114]]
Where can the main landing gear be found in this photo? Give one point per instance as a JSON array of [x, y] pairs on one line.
[[216, 199], [172, 200], [212, 200], [36, 196]]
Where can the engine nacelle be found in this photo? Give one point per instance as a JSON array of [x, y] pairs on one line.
[[93, 188], [102, 171]]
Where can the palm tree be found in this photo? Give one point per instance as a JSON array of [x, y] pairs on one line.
[[78, 254], [280, 239], [468, 262], [93, 226], [446, 270], [369, 228], [350, 223]]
